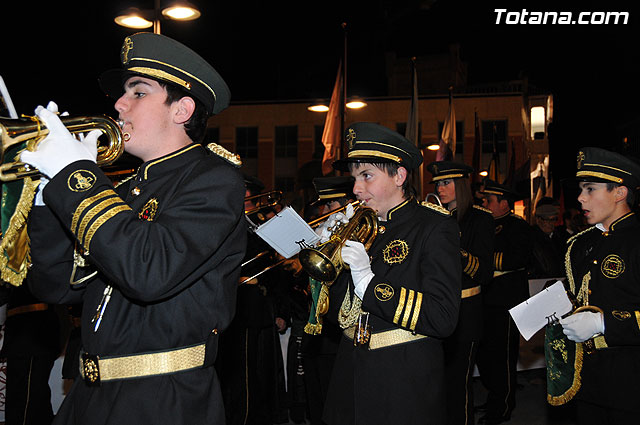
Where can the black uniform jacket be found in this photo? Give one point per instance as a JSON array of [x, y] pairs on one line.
[[476, 247], [170, 242], [611, 374], [416, 262], [512, 253]]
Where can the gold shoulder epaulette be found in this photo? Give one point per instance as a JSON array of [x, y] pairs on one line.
[[230, 157], [478, 207], [437, 208], [572, 238]]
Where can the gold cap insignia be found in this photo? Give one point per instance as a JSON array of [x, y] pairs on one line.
[[351, 136], [395, 252], [126, 47], [81, 180], [580, 160], [612, 266], [148, 212], [383, 291]]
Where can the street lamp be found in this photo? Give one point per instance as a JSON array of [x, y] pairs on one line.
[[145, 18], [354, 103]]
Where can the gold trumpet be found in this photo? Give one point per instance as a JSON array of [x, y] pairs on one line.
[[324, 263], [27, 133]]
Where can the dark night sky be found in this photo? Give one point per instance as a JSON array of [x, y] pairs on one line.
[[290, 50]]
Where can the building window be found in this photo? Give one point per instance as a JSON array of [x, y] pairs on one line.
[[494, 130], [247, 142], [318, 147], [286, 142], [459, 135]]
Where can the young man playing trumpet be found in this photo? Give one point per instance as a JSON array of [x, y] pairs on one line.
[[162, 251], [405, 292]]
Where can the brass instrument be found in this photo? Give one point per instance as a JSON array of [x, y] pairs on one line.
[[269, 253], [324, 263], [264, 203], [27, 133]]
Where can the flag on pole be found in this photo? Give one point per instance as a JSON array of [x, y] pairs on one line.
[[494, 165], [412, 131], [477, 152], [447, 149], [332, 133]]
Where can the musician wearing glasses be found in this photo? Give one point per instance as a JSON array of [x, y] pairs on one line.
[[156, 260], [399, 299], [476, 258]]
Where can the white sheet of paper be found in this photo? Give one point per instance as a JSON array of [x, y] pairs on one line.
[[287, 233], [533, 314]]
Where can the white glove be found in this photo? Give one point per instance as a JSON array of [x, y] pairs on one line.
[[39, 200], [59, 148], [324, 229], [582, 326], [354, 254]]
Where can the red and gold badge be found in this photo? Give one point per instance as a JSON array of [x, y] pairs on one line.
[[148, 212]]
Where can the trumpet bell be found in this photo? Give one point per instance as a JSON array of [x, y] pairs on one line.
[[318, 264], [24, 133], [324, 263]]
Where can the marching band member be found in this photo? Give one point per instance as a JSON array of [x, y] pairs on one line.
[[250, 364], [603, 271], [498, 351], [407, 287], [476, 249], [322, 338], [162, 251]]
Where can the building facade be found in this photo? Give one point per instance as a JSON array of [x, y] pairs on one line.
[[281, 142]]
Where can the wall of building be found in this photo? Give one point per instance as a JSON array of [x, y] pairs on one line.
[[386, 111]]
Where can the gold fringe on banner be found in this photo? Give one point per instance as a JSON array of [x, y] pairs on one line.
[[15, 256]]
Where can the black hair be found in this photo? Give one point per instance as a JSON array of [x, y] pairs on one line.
[[391, 168], [631, 194], [196, 127]]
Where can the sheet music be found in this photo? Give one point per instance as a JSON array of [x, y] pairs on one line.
[[287, 233], [546, 306]]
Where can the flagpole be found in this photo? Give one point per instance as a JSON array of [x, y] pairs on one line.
[[343, 107], [412, 131], [477, 150]]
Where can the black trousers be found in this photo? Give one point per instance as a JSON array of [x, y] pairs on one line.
[[498, 360], [28, 396], [459, 360], [593, 414]]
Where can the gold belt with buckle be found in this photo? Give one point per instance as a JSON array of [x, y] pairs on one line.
[[27, 309], [386, 338], [470, 292], [95, 369]]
